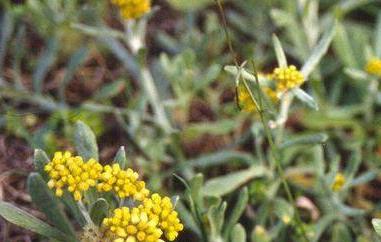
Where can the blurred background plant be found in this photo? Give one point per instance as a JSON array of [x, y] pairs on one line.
[[157, 85]]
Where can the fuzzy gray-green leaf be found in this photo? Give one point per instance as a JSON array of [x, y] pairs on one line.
[[120, 158], [85, 141], [238, 234], [319, 51], [222, 185], [236, 212], [21, 218], [99, 210], [40, 159], [46, 202]]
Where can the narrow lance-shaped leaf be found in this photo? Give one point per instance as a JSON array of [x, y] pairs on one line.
[[44, 62], [305, 98], [46, 202], [99, 210], [20, 218], [377, 38], [40, 159], [377, 225], [74, 63], [120, 158], [319, 51], [280, 55], [222, 185], [238, 234], [85, 141], [236, 212], [311, 139]]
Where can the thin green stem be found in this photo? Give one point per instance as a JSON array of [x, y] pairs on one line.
[[275, 152]]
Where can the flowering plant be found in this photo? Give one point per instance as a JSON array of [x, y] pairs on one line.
[[110, 202]]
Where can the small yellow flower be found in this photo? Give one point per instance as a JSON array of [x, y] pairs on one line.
[[287, 78], [161, 209], [132, 9], [124, 183], [131, 225], [373, 67], [72, 173], [245, 101], [339, 182]]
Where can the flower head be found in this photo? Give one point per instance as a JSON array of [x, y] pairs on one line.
[[131, 225], [245, 100], [162, 210], [132, 9], [339, 182], [287, 78], [374, 67], [72, 173], [124, 183]]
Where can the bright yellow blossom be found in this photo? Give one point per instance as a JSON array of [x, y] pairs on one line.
[[287, 78], [131, 225], [374, 67], [161, 209], [124, 183], [339, 182], [72, 173], [132, 9], [245, 100]]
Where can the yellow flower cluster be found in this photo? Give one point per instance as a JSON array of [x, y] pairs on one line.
[[72, 173], [339, 182], [154, 217], [132, 9], [124, 183], [245, 100], [287, 78], [161, 210], [131, 225], [374, 67]]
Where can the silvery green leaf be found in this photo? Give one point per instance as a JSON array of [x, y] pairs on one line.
[[47, 203], [120, 158], [45, 61], [343, 47], [319, 51], [305, 98], [85, 141], [99, 210], [341, 233], [222, 185], [174, 200], [21, 218], [356, 74], [377, 225], [310, 139], [236, 212], [280, 55], [238, 234], [40, 159], [377, 38], [76, 60], [235, 71], [216, 214]]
